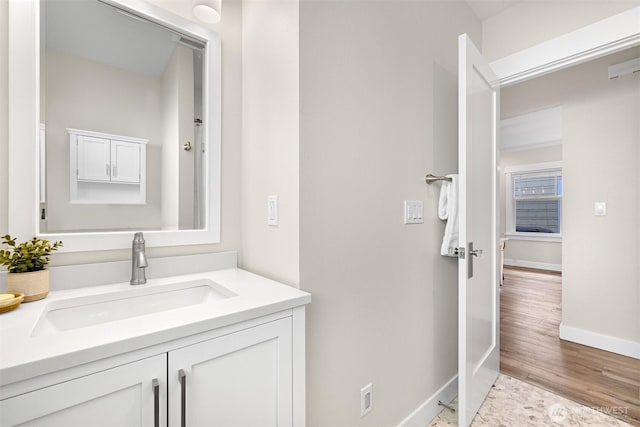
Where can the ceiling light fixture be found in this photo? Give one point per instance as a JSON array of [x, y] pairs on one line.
[[207, 10]]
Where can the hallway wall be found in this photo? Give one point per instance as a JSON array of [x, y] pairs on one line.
[[378, 111]]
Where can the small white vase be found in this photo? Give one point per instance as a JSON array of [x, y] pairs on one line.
[[34, 284]]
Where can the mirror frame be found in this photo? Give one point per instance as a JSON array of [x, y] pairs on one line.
[[24, 123]]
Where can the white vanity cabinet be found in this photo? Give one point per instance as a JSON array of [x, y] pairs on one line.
[[243, 378], [120, 396], [106, 169], [238, 380]]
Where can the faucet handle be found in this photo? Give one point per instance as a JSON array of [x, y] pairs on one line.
[[142, 260], [138, 260]]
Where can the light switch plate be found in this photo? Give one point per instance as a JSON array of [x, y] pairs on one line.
[[272, 210], [366, 399], [600, 208], [413, 212]]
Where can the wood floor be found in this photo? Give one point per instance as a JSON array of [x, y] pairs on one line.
[[530, 349]]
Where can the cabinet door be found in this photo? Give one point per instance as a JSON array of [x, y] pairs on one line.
[[242, 379], [125, 161], [93, 159], [121, 396]]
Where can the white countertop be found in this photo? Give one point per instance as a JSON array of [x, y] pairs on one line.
[[24, 356]]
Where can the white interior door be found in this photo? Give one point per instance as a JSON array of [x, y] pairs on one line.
[[478, 310]]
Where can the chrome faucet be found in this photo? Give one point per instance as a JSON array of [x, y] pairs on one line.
[[138, 260]]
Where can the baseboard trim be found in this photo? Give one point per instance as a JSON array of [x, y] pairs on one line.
[[533, 264], [430, 408], [603, 342]]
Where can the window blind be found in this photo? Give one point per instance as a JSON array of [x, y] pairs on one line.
[[538, 202]]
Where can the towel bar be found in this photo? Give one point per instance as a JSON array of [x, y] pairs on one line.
[[431, 178]]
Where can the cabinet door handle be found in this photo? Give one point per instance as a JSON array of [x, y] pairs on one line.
[[107, 168], [182, 377], [156, 402]]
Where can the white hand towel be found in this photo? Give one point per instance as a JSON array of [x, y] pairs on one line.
[[448, 210]]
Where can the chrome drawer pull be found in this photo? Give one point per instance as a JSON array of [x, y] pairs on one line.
[[182, 377], [156, 402]]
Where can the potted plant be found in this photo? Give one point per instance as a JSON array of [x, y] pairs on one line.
[[27, 263]]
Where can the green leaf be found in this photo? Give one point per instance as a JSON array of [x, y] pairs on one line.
[[27, 256]]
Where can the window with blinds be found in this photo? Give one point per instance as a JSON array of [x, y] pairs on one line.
[[537, 202]]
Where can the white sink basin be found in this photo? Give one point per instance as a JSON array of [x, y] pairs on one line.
[[80, 312]]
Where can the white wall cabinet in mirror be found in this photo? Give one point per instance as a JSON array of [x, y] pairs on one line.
[[106, 169], [119, 87]]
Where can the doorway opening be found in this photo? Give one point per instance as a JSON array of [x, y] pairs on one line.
[[599, 157]]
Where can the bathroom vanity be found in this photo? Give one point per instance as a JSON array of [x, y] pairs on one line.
[[218, 348], [191, 347]]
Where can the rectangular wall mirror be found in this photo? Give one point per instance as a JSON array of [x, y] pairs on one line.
[[122, 133]]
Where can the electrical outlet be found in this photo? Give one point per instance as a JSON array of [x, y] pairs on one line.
[[366, 399]]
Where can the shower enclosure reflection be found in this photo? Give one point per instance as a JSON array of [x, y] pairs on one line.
[[132, 91]]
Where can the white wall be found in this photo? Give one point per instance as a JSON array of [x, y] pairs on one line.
[[378, 102], [170, 142], [178, 128], [186, 118], [125, 103], [230, 30], [601, 159], [533, 21], [270, 138], [526, 253]]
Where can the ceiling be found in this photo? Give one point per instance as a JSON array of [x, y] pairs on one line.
[[485, 9], [99, 32]]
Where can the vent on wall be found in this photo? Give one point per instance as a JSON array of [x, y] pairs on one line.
[[624, 68]]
